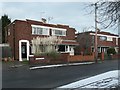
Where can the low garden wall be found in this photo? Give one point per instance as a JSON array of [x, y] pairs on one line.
[[78, 58], [62, 58], [116, 56]]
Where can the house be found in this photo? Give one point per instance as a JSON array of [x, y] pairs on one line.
[[105, 40], [19, 34]]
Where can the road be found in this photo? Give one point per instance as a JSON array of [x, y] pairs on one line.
[[23, 77]]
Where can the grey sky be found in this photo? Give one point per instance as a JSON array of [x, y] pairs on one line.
[[74, 14]]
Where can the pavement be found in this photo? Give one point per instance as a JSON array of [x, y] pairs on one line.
[[16, 64]]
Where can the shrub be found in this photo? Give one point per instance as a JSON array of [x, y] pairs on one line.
[[53, 54], [111, 51]]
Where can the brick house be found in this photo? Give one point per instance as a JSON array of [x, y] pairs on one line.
[[19, 34], [105, 40]]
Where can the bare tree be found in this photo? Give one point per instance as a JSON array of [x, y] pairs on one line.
[[108, 13], [45, 44]]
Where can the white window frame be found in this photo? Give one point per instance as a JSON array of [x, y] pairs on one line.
[[109, 39], [8, 32], [58, 29], [116, 41], [38, 27], [48, 31]]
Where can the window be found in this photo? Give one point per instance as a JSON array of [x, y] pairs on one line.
[[36, 30], [66, 48], [70, 49], [103, 38], [40, 30], [109, 39], [93, 40], [59, 32], [8, 32], [116, 41]]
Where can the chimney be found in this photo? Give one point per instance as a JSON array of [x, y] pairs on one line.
[[43, 20], [98, 29]]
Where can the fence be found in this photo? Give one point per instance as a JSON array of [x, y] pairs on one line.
[[6, 51]]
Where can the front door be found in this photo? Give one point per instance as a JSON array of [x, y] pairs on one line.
[[24, 50]]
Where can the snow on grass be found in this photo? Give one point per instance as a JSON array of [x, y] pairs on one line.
[[104, 80]]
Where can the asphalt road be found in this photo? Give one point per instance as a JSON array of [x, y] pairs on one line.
[[23, 77]]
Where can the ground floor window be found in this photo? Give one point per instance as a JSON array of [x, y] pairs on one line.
[[101, 49], [61, 48], [66, 48]]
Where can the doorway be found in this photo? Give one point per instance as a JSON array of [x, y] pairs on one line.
[[23, 50]]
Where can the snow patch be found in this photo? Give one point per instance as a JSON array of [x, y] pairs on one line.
[[104, 80]]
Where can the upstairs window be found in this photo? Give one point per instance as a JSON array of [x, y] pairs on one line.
[[40, 30], [58, 32], [109, 39], [103, 38]]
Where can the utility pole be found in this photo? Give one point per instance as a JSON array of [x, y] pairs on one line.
[[118, 21], [14, 40], [95, 46]]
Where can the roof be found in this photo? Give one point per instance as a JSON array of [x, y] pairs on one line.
[[99, 32], [69, 42], [34, 22]]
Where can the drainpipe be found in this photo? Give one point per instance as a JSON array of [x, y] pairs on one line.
[[14, 40]]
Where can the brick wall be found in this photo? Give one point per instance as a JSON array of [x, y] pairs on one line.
[[62, 58], [65, 58], [107, 43], [116, 56], [10, 38], [78, 58]]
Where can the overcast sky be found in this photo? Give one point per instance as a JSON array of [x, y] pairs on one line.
[[74, 14]]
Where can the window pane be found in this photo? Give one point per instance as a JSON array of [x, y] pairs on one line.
[[59, 32], [103, 38]]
